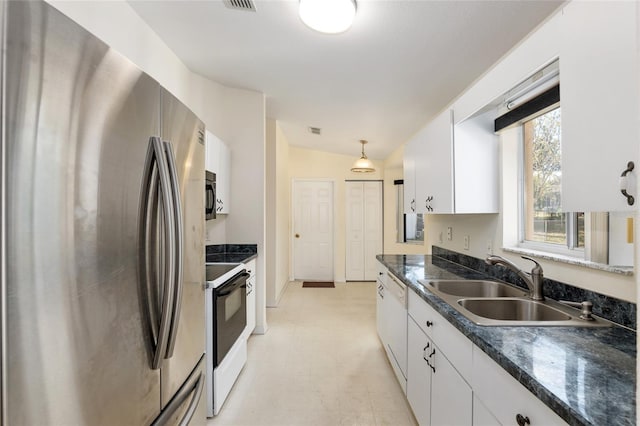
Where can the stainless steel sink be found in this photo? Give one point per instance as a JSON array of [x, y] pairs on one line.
[[513, 310], [476, 288], [493, 303]]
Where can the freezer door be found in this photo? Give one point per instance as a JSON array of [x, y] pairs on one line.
[[184, 134], [187, 407], [78, 121]]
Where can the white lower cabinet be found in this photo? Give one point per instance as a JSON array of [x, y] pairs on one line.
[[391, 320], [251, 298], [504, 397], [437, 393], [419, 380], [481, 414], [452, 382]]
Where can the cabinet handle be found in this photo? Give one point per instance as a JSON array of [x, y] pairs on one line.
[[522, 420], [424, 353], [623, 183], [429, 323]]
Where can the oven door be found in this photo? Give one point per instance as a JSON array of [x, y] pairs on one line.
[[229, 313], [210, 196]]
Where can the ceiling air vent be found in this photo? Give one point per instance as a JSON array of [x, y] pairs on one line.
[[315, 130], [247, 5]]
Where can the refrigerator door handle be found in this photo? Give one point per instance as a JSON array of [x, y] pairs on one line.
[[156, 176], [194, 385], [179, 249]]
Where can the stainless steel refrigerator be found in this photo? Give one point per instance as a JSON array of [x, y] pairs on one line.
[[102, 196]]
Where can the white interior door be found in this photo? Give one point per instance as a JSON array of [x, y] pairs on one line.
[[363, 229], [313, 230]]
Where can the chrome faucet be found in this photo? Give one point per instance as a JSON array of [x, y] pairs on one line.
[[533, 279]]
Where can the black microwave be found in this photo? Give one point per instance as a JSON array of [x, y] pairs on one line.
[[210, 195]]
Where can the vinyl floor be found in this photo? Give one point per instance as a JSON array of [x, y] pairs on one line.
[[320, 363]]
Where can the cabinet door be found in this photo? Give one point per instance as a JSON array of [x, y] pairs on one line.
[[599, 100], [451, 396], [409, 173], [505, 397], [418, 373], [251, 305], [212, 146], [223, 179], [476, 165], [434, 171], [381, 321], [482, 416]]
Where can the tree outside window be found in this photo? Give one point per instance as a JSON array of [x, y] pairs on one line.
[[543, 217]]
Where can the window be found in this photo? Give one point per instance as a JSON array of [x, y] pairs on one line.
[[410, 226], [543, 221]]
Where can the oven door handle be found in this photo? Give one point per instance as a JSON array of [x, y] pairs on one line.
[[229, 287]]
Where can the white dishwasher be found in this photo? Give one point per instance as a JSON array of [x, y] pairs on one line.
[[395, 305]]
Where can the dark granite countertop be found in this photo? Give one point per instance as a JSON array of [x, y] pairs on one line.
[[231, 257], [585, 375]]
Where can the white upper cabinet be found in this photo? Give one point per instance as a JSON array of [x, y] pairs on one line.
[[455, 167], [409, 172], [434, 168], [599, 97], [218, 161]]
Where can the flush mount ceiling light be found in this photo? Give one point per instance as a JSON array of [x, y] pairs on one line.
[[328, 16], [363, 164]]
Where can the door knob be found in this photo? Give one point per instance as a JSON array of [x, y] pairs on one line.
[[297, 235]]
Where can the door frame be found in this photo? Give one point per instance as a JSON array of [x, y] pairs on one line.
[[292, 257]]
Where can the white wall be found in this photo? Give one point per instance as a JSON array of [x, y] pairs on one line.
[[236, 116], [309, 164], [278, 210], [246, 220]]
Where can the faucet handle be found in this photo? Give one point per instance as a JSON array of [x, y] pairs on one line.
[[537, 269]]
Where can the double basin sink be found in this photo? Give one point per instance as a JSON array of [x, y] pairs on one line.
[[493, 303]]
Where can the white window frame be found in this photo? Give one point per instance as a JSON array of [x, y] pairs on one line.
[[566, 250]]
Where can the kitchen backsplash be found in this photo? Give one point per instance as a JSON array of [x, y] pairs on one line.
[[616, 310]]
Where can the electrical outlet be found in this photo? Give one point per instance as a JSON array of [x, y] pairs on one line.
[[489, 247], [466, 242], [449, 233]]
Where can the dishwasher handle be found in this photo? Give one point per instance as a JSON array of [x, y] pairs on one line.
[[399, 290]]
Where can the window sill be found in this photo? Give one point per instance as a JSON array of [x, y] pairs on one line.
[[622, 270]]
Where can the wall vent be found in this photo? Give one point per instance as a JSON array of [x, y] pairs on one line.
[[315, 130], [247, 5]]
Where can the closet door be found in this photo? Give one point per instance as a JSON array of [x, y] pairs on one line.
[[372, 227], [363, 229]]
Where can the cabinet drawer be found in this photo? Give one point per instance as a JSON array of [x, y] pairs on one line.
[[456, 346], [505, 397]]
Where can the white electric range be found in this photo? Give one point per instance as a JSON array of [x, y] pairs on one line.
[[226, 319]]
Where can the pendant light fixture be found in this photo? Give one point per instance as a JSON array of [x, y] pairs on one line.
[[363, 164], [328, 16]]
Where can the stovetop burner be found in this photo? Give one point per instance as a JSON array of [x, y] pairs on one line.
[[216, 270]]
